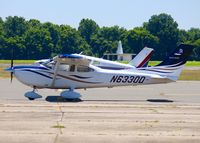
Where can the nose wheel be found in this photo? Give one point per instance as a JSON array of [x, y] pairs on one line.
[[31, 98], [32, 95]]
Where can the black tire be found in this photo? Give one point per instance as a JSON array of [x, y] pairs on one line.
[[73, 100], [30, 98]]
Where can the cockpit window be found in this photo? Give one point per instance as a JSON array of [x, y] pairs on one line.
[[81, 68]]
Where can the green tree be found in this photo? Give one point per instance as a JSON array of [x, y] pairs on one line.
[[34, 23], [183, 36], [14, 26], [1, 26], [106, 40], [194, 34], [88, 28], [55, 35], [15, 44], [71, 41], [196, 52], [166, 29], [38, 43], [3, 48], [137, 38]]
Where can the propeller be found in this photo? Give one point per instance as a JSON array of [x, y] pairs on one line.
[[11, 65]]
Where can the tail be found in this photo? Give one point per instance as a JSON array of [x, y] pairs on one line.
[[142, 59], [179, 56], [173, 64]]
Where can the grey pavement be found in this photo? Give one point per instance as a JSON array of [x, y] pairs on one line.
[[150, 114]]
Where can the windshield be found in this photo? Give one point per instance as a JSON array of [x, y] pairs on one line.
[[49, 64]]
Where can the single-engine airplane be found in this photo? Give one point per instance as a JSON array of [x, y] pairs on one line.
[[75, 71]]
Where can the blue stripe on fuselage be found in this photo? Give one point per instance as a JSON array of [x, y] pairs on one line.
[[38, 73], [30, 67]]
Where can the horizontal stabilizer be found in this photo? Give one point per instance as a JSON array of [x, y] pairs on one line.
[[142, 58]]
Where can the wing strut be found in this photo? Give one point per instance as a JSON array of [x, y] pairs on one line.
[[55, 73]]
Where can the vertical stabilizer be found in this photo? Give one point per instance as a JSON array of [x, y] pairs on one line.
[[173, 64]]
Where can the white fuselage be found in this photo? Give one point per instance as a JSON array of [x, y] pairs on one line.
[[40, 76]]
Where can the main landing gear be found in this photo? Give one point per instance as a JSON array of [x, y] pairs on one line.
[[31, 95], [71, 95]]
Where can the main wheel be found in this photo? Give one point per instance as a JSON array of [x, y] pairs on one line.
[[73, 100], [31, 98], [70, 95]]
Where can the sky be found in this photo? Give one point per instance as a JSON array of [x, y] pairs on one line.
[[124, 13]]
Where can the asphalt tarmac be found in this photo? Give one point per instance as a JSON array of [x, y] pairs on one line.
[[151, 113]]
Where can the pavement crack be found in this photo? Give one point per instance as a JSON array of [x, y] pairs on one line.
[[60, 120], [56, 139]]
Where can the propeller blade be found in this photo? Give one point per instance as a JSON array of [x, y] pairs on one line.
[[11, 77], [11, 65]]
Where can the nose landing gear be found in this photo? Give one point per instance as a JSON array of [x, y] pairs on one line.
[[31, 95]]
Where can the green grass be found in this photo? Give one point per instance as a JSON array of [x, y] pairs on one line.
[[153, 63], [58, 126], [190, 75], [17, 61], [189, 63], [193, 63]]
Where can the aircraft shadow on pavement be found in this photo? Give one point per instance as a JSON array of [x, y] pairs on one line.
[[160, 100], [53, 98], [115, 100]]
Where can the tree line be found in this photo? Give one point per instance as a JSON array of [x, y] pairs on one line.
[[31, 39]]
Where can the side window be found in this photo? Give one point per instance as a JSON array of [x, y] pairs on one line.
[[64, 67], [84, 69]]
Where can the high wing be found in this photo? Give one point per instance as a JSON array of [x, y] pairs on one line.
[[72, 59], [141, 60], [106, 64]]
